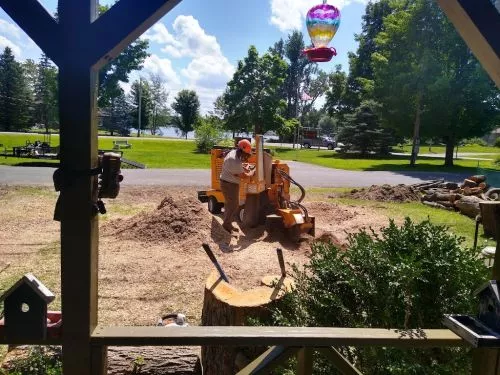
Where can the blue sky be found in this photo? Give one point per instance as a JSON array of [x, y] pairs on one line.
[[198, 44]]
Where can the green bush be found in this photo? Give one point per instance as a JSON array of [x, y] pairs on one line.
[[475, 141], [207, 134], [497, 142], [39, 361], [404, 278]]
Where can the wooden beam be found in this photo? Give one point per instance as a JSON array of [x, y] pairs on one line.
[[339, 361], [113, 31], [35, 21], [285, 336], [268, 360], [305, 361], [79, 225], [479, 32]]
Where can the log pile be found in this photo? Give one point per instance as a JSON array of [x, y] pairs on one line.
[[464, 198]]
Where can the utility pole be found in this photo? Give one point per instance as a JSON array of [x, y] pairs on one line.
[[139, 108]]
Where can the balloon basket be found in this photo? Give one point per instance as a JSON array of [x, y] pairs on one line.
[[321, 54]]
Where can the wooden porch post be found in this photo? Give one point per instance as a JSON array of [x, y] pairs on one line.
[[487, 361], [79, 224]]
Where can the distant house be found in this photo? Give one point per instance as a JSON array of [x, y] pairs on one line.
[[492, 137]]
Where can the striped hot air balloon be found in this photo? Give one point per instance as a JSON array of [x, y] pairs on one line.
[[322, 23]]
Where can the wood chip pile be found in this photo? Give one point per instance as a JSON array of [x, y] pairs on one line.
[[464, 198]]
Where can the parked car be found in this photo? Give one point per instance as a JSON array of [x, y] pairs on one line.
[[322, 141]]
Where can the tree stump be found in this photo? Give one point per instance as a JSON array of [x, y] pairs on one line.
[[225, 305]]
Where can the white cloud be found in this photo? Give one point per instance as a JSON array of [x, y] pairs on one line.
[[163, 67], [208, 71], [290, 14], [9, 28], [4, 42]]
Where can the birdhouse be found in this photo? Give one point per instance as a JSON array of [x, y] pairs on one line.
[[25, 309], [489, 305], [483, 330]]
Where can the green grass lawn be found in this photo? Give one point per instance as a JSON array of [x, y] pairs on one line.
[[424, 149], [154, 153], [169, 153], [375, 163]]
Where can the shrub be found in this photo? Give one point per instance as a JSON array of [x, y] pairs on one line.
[[475, 141], [404, 278], [207, 134], [39, 361], [497, 142]]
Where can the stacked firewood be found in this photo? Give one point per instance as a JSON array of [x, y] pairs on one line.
[[454, 197]]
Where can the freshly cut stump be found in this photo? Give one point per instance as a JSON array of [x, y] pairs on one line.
[[225, 305]]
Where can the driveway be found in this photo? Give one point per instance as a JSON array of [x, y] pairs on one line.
[[306, 174]]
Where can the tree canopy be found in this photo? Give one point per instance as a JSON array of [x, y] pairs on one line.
[[253, 97]]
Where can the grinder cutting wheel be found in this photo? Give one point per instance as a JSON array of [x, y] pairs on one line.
[[263, 190]]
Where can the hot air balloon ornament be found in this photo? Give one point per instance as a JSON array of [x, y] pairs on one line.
[[322, 22]]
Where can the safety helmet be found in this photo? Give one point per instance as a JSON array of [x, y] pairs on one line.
[[245, 146]]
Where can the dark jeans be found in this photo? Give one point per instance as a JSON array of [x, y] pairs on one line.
[[231, 194]]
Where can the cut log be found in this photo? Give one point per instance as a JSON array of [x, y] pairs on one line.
[[449, 185], [225, 305], [478, 178], [447, 204], [469, 183], [147, 360], [154, 360], [437, 205], [469, 206]]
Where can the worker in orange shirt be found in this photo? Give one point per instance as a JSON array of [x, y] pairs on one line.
[[233, 168]]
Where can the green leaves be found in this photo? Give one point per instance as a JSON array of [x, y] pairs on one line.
[[253, 96], [405, 277]]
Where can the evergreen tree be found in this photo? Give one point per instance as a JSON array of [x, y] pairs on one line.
[[117, 117], [363, 132], [14, 94], [46, 111]]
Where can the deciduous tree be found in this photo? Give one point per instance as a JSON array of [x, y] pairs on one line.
[[253, 98], [187, 107]]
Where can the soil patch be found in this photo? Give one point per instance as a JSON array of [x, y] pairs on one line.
[[151, 261], [385, 193], [178, 218]]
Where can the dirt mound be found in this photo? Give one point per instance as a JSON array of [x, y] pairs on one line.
[[173, 220], [385, 193]]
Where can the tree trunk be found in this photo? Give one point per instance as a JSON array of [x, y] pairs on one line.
[[224, 305], [147, 360], [416, 133], [154, 360], [450, 146], [469, 206]]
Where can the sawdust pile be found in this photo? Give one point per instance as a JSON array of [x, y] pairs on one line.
[[174, 220], [385, 193]]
